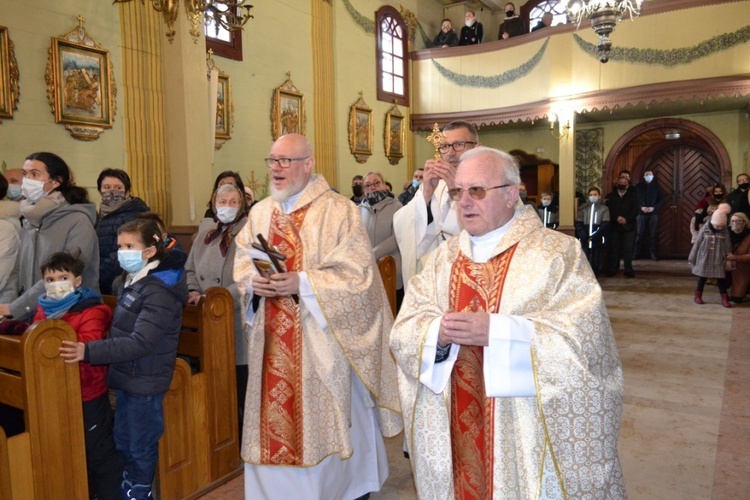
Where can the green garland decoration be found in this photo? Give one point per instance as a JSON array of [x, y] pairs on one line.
[[672, 57], [366, 24], [425, 39], [492, 82]]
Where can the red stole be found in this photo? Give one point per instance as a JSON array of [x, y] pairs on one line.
[[473, 288], [281, 404]]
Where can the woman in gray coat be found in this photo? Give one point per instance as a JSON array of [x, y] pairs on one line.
[[211, 263], [377, 209]]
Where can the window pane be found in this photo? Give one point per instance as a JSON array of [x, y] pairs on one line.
[[387, 63], [387, 83], [387, 43], [210, 32], [398, 66], [398, 86], [399, 33], [398, 47]]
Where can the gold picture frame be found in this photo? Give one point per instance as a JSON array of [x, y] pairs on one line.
[[9, 91], [288, 110], [224, 111], [80, 84], [361, 130], [393, 135]]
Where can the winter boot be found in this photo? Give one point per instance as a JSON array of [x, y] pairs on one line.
[[125, 489], [725, 300], [699, 297], [140, 492]]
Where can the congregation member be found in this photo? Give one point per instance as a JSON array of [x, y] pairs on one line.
[[226, 177], [358, 189], [592, 225], [739, 199], [523, 195], [324, 387], [10, 244], [622, 204], [412, 187], [211, 263], [430, 217], [57, 217], [545, 22], [704, 213], [709, 255], [510, 381], [548, 212], [446, 37], [377, 211], [140, 349], [14, 176], [117, 207], [473, 32], [739, 257], [512, 25], [650, 198]]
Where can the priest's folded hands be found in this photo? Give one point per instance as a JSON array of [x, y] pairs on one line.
[[464, 328]]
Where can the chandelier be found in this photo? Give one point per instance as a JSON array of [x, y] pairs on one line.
[[604, 16], [226, 14]]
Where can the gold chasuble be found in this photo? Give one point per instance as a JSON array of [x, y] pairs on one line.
[[281, 410], [474, 288], [299, 393], [560, 443]]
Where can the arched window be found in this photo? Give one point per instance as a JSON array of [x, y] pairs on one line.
[[536, 9], [393, 56]]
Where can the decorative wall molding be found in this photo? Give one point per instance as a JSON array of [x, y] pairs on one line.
[[687, 90]]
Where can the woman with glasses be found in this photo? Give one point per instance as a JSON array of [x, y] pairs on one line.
[[377, 209], [739, 257]]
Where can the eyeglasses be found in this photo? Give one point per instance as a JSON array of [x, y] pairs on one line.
[[476, 192], [457, 146], [739, 222], [283, 162], [372, 185]]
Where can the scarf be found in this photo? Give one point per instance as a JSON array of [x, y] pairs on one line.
[[376, 197], [34, 213], [225, 232], [55, 309], [738, 237], [105, 210]]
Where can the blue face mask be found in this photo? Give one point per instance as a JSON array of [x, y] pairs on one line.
[[131, 260], [415, 183], [14, 191], [649, 178]]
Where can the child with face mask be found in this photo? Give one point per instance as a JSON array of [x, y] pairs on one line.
[[141, 348], [81, 307], [592, 224], [548, 211]]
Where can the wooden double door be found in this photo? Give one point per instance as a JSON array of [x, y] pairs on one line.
[[683, 171]]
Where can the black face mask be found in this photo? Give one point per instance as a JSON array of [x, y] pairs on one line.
[[509, 13], [620, 187], [358, 190], [743, 186]]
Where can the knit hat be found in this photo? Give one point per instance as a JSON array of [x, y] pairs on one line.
[[721, 215]]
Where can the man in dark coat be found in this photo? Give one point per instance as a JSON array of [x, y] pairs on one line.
[[739, 199], [623, 210], [649, 199], [512, 25]]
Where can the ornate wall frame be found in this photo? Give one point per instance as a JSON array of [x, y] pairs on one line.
[[393, 135], [81, 84], [361, 130], [224, 111], [288, 110], [9, 90]]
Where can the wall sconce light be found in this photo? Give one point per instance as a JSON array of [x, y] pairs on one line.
[[563, 128]]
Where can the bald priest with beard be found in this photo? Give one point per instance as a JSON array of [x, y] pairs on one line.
[[509, 376], [322, 389]]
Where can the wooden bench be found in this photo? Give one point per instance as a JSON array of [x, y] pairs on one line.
[[200, 446], [48, 460], [387, 268]]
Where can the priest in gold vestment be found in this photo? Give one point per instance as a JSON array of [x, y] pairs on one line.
[[322, 386], [509, 376]]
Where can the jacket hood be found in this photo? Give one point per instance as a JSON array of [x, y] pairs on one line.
[[87, 209], [171, 273]]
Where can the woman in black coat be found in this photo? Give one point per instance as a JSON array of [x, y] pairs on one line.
[[117, 208]]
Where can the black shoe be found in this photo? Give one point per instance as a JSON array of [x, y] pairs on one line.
[[654, 257], [629, 274], [609, 274]]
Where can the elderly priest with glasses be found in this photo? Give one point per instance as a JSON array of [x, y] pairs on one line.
[[509, 376], [322, 389], [430, 217]]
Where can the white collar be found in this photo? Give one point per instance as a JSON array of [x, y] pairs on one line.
[[483, 246]]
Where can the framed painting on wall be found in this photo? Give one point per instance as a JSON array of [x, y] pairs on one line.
[[80, 84], [8, 76], [224, 110], [361, 130], [288, 110], [394, 135]]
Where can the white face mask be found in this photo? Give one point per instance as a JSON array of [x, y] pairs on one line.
[[593, 199], [546, 203], [226, 214], [470, 22], [33, 190], [58, 290]]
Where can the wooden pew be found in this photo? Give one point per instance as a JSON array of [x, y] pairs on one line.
[[387, 268], [200, 446], [48, 460]]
